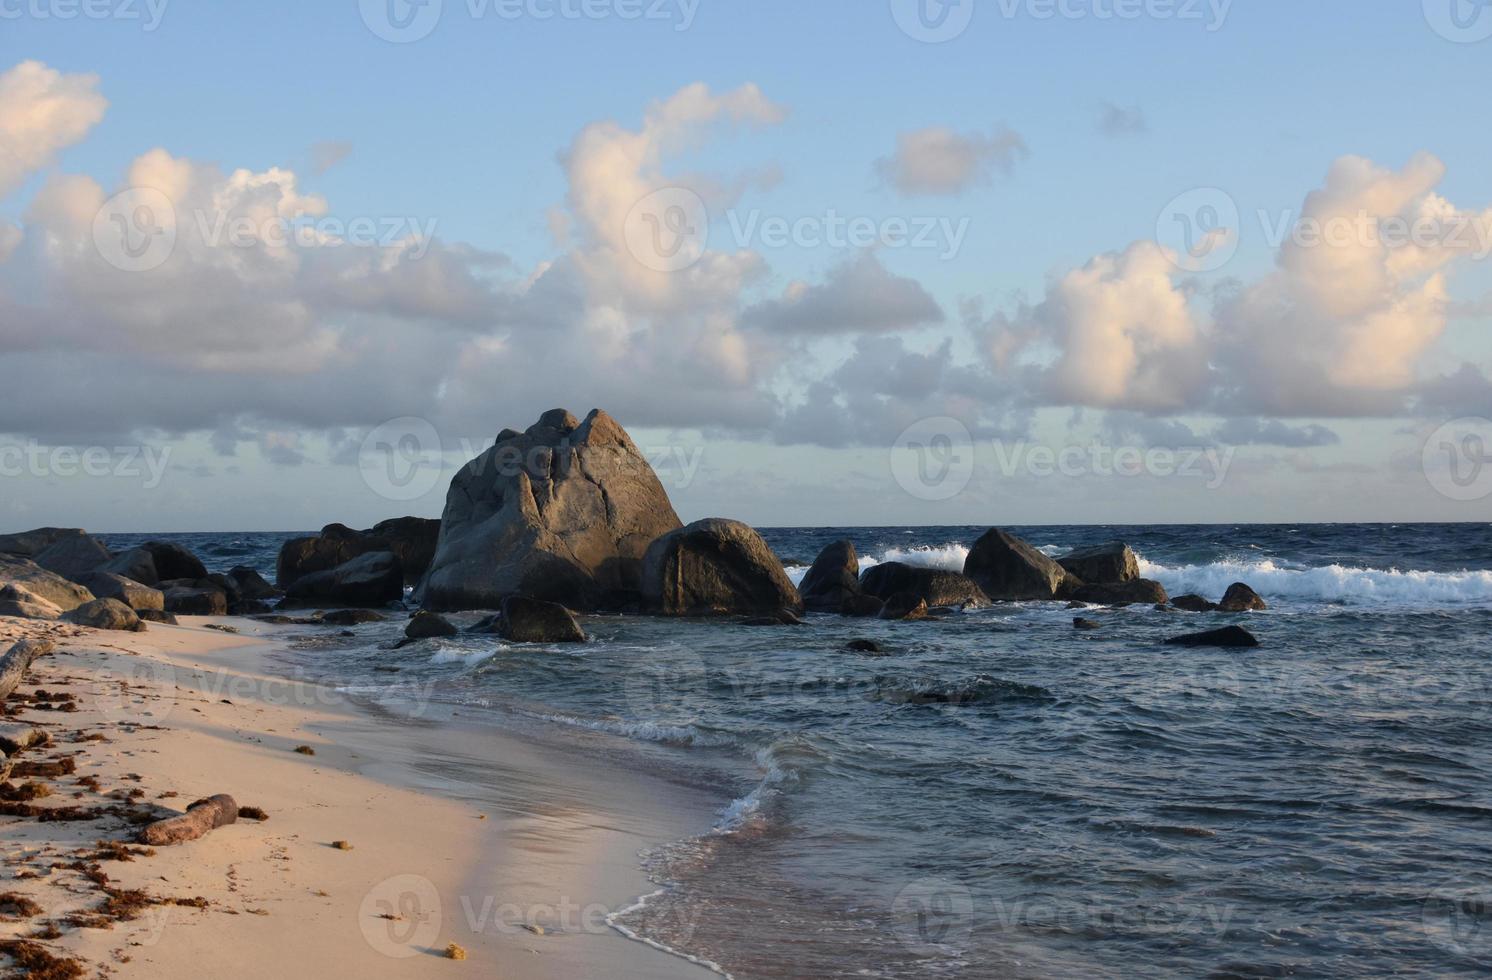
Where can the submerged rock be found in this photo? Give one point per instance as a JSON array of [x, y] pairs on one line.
[[1104, 563], [1080, 623], [935, 586], [350, 617], [715, 567], [863, 646], [1194, 603], [527, 620], [428, 625], [1228, 636], [1139, 590], [833, 578], [1241, 598], [1007, 568]]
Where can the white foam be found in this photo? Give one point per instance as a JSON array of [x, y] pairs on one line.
[[641, 903], [1329, 583], [949, 556], [647, 731], [745, 811], [464, 657]]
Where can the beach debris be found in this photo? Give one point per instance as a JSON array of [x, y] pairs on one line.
[[17, 660], [252, 813], [305, 750], [37, 963], [454, 952], [341, 845], [200, 818], [17, 906], [1229, 636], [1241, 598], [19, 737]]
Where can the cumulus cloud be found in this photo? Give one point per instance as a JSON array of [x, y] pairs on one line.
[[940, 161], [42, 112], [857, 296]]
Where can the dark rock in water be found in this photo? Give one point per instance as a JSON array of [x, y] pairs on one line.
[[1105, 563], [863, 646], [833, 578], [187, 601], [174, 561], [565, 512], [39, 582], [74, 556], [1194, 603], [351, 617], [251, 585], [105, 614], [785, 617], [715, 567], [428, 625], [336, 545], [369, 580], [1007, 568], [249, 607], [861, 607], [905, 606], [1085, 624], [526, 620], [106, 585], [137, 564], [1241, 598], [1074, 604], [412, 540], [1139, 590], [934, 585], [156, 616], [488, 624], [1229, 636], [29, 544], [225, 585]]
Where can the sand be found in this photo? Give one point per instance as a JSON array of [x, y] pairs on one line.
[[510, 849]]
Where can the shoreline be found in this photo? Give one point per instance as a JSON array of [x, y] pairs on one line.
[[537, 848]]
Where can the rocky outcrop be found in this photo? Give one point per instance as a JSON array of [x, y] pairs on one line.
[[188, 600], [527, 620], [1240, 598], [563, 512], [1103, 564], [1194, 603], [412, 540], [337, 544], [106, 585], [833, 578], [934, 586], [1007, 568], [342, 617], [105, 614], [22, 603], [172, 561], [1230, 636], [40, 582], [29, 544], [137, 564], [1123, 593], [427, 626], [250, 585], [904, 606], [1085, 625], [368, 580], [715, 567], [861, 607], [73, 556]]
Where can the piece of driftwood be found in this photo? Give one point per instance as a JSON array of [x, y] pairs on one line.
[[16, 737], [17, 660], [201, 818]]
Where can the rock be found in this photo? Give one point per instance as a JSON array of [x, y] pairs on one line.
[[934, 586], [369, 580], [22, 603], [905, 606], [191, 601], [715, 567], [29, 544], [1194, 603], [784, 617], [137, 565], [412, 540], [527, 620], [487, 624], [337, 544], [558, 513], [1241, 598], [74, 556], [833, 578], [250, 585], [1080, 623], [1007, 568], [174, 561], [863, 646], [428, 625], [1104, 563], [350, 617], [861, 607], [105, 614], [1228, 636], [1138, 590], [42, 583], [107, 585], [156, 616]]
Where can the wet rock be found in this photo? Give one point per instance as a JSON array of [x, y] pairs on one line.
[[905, 606], [526, 620], [428, 625], [935, 586], [1079, 623], [1007, 568], [1241, 598], [251, 585], [863, 646], [193, 601], [861, 607], [1104, 563], [833, 578], [715, 567], [369, 580], [1139, 590], [350, 617], [1194, 603], [1229, 636]]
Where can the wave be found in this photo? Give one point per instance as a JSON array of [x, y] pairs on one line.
[[467, 658], [950, 557], [977, 690], [645, 731], [748, 812], [1329, 583]]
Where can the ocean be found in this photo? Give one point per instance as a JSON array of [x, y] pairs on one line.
[[999, 795]]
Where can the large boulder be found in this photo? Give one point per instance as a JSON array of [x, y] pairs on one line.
[[137, 564], [173, 561], [563, 512], [40, 582], [427, 625], [1103, 564], [250, 585], [1007, 568], [527, 620], [1123, 593], [337, 544], [412, 540], [904, 606], [834, 577], [715, 567], [1229, 636], [107, 585], [73, 556], [25, 604], [935, 586], [1241, 598], [368, 580], [1194, 603], [29, 544], [186, 600], [105, 614]]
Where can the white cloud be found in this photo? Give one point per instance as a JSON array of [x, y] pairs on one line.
[[939, 161], [42, 112]]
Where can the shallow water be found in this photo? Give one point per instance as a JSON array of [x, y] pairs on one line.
[[1001, 795]]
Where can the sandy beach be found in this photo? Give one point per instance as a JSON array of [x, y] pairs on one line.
[[505, 848]]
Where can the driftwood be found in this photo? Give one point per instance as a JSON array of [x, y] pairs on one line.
[[17, 660], [201, 818], [16, 738]]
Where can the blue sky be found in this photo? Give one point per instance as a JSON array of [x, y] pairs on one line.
[[470, 128]]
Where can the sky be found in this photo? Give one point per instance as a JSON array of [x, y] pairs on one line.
[[268, 266]]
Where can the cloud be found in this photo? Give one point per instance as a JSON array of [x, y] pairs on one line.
[[1117, 121], [42, 112], [858, 296], [939, 161], [328, 153], [1273, 432]]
